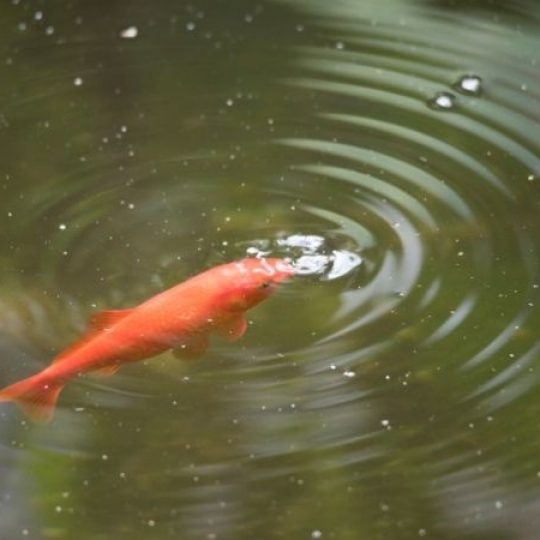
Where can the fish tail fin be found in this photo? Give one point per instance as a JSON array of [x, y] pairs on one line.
[[36, 398]]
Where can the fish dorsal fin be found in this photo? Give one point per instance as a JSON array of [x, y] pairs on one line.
[[107, 318], [98, 323]]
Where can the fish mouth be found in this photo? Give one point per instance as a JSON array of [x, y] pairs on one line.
[[280, 269]]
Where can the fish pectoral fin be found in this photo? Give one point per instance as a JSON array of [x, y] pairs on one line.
[[108, 318], [105, 371], [233, 329], [193, 348]]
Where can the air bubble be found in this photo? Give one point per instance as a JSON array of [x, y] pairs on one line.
[[469, 84], [130, 32], [442, 101]]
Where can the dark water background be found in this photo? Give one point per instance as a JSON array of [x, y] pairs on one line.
[[392, 148]]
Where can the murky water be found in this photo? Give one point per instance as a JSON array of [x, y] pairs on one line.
[[391, 149]]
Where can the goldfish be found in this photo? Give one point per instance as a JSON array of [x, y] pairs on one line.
[[180, 319]]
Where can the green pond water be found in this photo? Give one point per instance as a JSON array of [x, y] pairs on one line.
[[391, 150]]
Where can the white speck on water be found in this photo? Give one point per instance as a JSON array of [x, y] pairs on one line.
[[350, 374], [190, 26], [498, 505], [58, 509], [340, 45], [130, 32], [77, 81], [104, 457], [422, 532], [316, 534], [230, 102], [62, 226], [333, 367], [531, 177], [38, 15], [49, 30], [25, 532], [22, 26], [151, 523], [385, 423]]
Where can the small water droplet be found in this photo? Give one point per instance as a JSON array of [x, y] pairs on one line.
[[469, 84], [130, 32], [77, 81], [442, 101]]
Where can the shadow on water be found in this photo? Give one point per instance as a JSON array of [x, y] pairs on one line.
[[390, 150]]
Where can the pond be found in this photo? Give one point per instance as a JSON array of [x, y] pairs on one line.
[[391, 152]]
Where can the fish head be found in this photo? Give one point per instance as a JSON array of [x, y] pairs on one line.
[[253, 280]]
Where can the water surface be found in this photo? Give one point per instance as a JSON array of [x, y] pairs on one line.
[[391, 150]]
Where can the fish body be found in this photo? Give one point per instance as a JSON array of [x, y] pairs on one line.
[[180, 318]]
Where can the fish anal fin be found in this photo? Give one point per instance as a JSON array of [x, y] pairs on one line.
[[105, 319], [35, 398], [193, 348], [233, 329], [105, 371]]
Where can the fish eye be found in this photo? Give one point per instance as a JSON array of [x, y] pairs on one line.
[[265, 285]]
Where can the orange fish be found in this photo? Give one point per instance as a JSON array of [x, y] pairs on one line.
[[180, 318]]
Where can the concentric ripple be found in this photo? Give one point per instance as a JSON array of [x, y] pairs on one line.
[[392, 155]]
